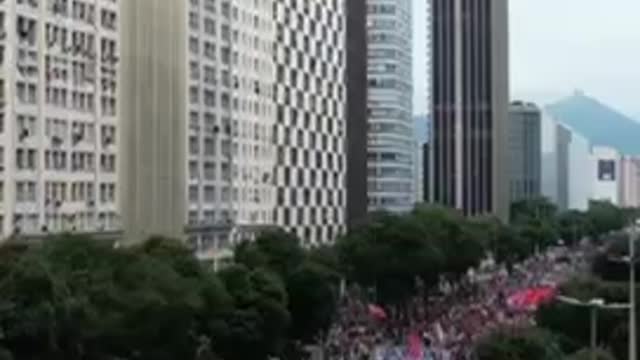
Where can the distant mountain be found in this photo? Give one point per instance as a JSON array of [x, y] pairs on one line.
[[421, 128], [599, 123]]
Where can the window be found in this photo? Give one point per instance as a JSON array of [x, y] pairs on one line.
[[209, 171], [209, 193], [194, 46], [210, 98], [25, 191], [193, 21], [194, 147], [209, 26], [193, 94], [193, 193]]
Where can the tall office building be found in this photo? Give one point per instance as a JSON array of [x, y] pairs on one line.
[[356, 112], [58, 118], [525, 150], [198, 103], [234, 114], [310, 128], [575, 169], [421, 138], [391, 146], [470, 102]]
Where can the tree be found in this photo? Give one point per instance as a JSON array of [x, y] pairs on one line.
[[389, 254], [76, 298], [308, 276], [518, 344], [605, 217], [585, 354], [256, 328], [540, 209], [455, 238], [313, 299], [572, 325], [535, 220], [276, 250], [573, 225], [5, 354], [606, 264]]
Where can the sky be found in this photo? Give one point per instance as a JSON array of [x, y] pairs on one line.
[[558, 46]]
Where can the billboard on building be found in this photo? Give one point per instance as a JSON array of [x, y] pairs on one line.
[[606, 170]]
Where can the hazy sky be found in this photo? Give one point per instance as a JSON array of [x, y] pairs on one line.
[[558, 46]]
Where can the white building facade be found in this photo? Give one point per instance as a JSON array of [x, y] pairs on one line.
[[630, 181], [59, 119], [251, 93], [391, 145], [580, 175], [310, 129], [230, 115], [605, 172]]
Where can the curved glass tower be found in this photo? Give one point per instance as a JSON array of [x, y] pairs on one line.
[[390, 134]]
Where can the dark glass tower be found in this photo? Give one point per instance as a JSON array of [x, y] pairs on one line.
[[356, 111], [470, 102]]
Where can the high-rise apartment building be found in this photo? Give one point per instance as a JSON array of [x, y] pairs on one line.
[[310, 129], [200, 116], [525, 150], [59, 65], [391, 145], [470, 103], [234, 119], [356, 112], [575, 169]]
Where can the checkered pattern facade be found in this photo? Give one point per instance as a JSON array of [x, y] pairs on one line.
[[310, 122]]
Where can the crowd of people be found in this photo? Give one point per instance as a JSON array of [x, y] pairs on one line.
[[445, 324]]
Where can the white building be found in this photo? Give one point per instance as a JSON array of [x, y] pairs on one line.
[[574, 170], [199, 125], [391, 146], [605, 174], [247, 122], [58, 121], [310, 130], [599, 173], [630, 181], [231, 115]]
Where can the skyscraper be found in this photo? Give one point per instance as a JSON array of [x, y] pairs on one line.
[[525, 150], [356, 112], [421, 136], [391, 146], [59, 120], [200, 113], [470, 101], [234, 119], [310, 125]]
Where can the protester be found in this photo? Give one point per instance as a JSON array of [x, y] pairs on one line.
[[451, 322]]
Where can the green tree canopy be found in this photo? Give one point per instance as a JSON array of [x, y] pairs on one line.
[[585, 354], [518, 344], [309, 276]]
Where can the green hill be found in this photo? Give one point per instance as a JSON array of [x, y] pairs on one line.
[[599, 123]]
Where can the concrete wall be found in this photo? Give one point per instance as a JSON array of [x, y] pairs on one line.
[[153, 103]]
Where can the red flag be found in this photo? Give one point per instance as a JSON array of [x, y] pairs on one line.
[[377, 312], [531, 298]]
